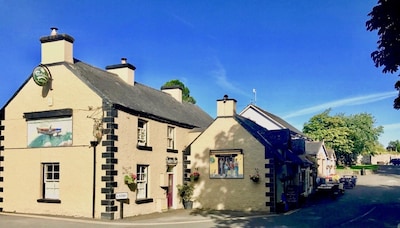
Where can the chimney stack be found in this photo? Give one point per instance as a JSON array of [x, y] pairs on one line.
[[175, 91], [226, 107], [124, 70], [57, 48]]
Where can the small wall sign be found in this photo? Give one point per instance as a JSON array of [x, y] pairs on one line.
[[41, 75], [121, 195]]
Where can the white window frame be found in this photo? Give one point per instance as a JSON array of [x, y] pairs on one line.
[[142, 181], [170, 137], [142, 133], [51, 180]]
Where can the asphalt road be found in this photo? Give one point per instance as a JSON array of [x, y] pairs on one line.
[[374, 202]]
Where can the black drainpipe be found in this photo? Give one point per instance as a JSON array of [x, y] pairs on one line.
[[94, 145]]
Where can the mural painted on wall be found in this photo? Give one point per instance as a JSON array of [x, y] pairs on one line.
[[226, 163], [50, 132]]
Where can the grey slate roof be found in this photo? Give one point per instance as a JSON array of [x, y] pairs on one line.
[[279, 120], [140, 99], [312, 148]]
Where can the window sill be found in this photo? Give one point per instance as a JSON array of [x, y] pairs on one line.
[[148, 148], [141, 201], [49, 201], [172, 151]]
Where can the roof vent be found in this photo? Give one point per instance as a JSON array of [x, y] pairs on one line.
[[123, 60]]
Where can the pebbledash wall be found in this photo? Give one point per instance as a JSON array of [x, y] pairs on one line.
[[90, 166]]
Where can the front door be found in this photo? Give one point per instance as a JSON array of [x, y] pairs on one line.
[[170, 190]]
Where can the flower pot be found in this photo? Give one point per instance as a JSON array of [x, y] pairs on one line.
[[255, 179], [132, 186], [188, 204]]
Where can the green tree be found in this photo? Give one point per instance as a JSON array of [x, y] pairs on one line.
[[185, 91], [349, 136], [385, 18], [363, 133], [394, 146]]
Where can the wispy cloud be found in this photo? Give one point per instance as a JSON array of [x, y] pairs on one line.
[[182, 20], [344, 102], [220, 75], [394, 126]]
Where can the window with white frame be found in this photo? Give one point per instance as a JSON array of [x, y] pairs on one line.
[[170, 137], [142, 133], [142, 181], [51, 180]]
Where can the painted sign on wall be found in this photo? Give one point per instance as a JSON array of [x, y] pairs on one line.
[[50, 132], [226, 163]]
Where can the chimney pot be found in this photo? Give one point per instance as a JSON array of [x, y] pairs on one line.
[[53, 31], [123, 60]]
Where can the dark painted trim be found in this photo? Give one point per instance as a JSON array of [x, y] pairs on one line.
[[107, 202], [118, 66], [108, 216], [107, 167], [107, 155], [147, 148], [172, 151], [152, 117], [49, 201], [66, 37], [48, 114], [107, 178], [111, 208], [141, 201]]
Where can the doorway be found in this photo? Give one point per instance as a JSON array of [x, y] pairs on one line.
[[170, 194]]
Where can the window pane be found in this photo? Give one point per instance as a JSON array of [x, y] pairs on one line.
[[49, 176], [56, 168], [56, 176], [49, 168]]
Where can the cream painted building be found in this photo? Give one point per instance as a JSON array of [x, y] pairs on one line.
[[73, 132], [234, 149]]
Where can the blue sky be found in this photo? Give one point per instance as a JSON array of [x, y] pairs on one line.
[[301, 57]]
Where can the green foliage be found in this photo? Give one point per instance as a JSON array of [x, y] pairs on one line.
[[385, 18], [185, 191], [394, 146], [185, 91], [349, 136]]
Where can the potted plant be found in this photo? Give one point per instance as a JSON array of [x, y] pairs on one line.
[[130, 181], [255, 177], [194, 176], [185, 193]]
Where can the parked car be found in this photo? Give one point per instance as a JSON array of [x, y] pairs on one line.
[[395, 161]]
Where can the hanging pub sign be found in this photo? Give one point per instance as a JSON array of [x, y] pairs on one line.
[[41, 75]]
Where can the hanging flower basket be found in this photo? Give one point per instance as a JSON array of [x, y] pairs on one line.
[[194, 176], [130, 181], [255, 177], [132, 187]]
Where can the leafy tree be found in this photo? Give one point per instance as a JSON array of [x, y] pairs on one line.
[[394, 146], [349, 136], [185, 91], [385, 18]]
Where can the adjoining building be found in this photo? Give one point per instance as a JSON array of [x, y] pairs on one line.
[[244, 166], [73, 136]]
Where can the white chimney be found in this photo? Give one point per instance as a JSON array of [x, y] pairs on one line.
[[57, 48], [124, 70], [175, 91], [226, 107]]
